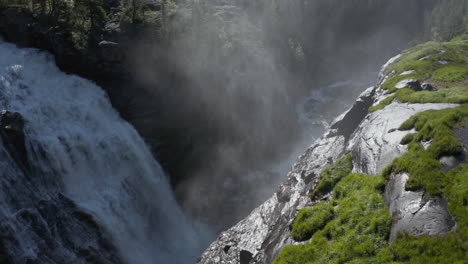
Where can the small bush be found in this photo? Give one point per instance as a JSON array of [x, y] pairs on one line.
[[309, 220]]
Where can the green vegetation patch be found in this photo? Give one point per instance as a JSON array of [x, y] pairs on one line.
[[407, 139], [424, 60], [332, 175], [451, 74], [359, 228], [427, 249], [309, 220], [382, 104], [455, 95], [456, 192], [359, 231], [422, 164]]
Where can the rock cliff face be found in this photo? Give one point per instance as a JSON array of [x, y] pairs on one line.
[[374, 140]]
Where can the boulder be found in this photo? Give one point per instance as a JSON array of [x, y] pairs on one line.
[[428, 87], [412, 213], [409, 83]]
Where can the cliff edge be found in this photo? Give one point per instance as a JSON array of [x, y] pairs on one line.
[[389, 176]]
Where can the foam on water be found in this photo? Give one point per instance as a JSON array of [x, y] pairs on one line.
[[93, 157]]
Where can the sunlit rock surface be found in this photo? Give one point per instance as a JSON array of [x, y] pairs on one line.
[[374, 140]]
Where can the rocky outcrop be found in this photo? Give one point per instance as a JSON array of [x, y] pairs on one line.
[[374, 140], [11, 133], [412, 213], [45, 222]]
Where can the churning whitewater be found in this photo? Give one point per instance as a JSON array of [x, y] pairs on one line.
[[85, 165]]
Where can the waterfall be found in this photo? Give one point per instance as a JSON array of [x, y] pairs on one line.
[[91, 185]]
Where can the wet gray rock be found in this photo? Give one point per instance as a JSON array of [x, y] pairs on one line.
[[412, 213], [376, 142], [450, 162], [351, 119]]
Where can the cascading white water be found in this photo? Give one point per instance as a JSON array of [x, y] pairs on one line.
[[93, 157]]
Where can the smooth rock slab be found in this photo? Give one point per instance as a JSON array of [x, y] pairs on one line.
[[376, 142], [410, 213]]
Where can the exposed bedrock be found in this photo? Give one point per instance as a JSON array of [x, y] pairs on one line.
[[412, 213], [374, 140], [36, 215]]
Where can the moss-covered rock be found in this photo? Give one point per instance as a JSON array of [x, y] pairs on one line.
[[455, 95], [359, 231], [423, 164], [425, 63], [332, 175], [309, 220]]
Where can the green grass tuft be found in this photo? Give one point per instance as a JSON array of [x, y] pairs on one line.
[[332, 175], [422, 165], [451, 74], [309, 220], [456, 192], [407, 139], [424, 60], [357, 234], [382, 104], [427, 249]]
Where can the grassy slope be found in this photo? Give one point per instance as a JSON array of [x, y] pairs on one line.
[[354, 226]]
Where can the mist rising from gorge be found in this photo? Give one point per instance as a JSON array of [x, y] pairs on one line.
[[230, 76]]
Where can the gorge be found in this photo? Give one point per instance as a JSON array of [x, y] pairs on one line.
[[220, 98]]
